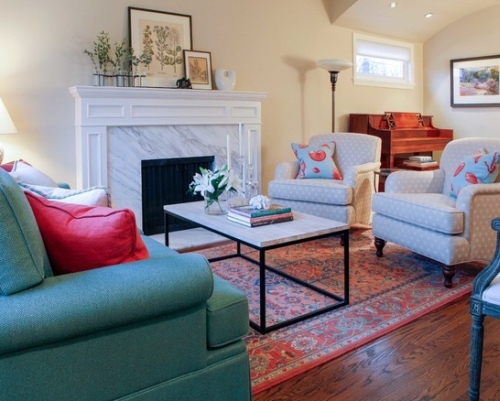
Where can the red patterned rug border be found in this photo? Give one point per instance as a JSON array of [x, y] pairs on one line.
[[257, 388]]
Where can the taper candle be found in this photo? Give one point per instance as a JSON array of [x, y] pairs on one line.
[[228, 145], [240, 138], [250, 158]]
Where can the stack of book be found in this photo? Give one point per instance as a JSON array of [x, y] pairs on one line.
[[420, 162], [251, 217]]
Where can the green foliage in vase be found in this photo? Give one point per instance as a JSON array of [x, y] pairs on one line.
[[120, 54], [101, 51], [136, 61]]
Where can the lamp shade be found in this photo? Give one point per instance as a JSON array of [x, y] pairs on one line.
[[333, 64], [6, 124]]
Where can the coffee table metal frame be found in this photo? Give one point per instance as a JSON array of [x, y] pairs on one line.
[[238, 233]]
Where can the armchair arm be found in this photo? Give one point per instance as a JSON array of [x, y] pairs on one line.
[[361, 179], [286, 170], [467, 194], [76, 304], [408, 181], [352, 173], [480, 205]]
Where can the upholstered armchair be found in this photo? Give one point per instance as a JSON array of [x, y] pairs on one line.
[[344, 195], [444, 214]]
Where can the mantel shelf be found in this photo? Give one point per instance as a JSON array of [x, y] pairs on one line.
[[115, 106], [162, 93]]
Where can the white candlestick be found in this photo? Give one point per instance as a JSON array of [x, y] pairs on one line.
[[240, 138], [228, 145], [249, 135]]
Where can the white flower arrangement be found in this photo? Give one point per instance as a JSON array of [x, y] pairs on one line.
[[212, 184]]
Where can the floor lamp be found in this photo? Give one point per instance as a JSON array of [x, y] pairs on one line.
[[6, 125], [333, 66]]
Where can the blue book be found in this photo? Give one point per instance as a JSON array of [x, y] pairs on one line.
[[251, 212]]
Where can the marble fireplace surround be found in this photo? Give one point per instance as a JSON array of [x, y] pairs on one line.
[[116, 128]]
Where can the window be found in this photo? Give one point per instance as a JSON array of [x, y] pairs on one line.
[[382, 62]]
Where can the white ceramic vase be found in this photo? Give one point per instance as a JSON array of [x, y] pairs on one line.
[[225, 79]]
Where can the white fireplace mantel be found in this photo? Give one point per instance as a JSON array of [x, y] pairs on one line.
[[97, 108]]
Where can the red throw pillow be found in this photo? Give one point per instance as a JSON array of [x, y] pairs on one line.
[[79, 237]]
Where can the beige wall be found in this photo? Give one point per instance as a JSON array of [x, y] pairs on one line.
[[473, 36], [272, 45]]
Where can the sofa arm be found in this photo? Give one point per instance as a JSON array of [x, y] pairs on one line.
[[409, 181], [286, 170], [76, 304]]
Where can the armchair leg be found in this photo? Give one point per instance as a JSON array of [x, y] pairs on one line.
[[448, 273], [379, 244], [476, 354]]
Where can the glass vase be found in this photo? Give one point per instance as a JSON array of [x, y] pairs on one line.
[[216, 207]]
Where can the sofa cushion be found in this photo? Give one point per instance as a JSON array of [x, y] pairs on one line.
[[316, 161], [93, 196], [429, 210], [325, 191], [26, 173], [227, 314], [81, 237], [479, 168], [23, 259]]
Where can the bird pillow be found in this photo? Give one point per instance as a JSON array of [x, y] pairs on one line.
[[480, 168], [316, 161]]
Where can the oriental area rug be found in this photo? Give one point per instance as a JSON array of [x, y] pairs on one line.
[[385, 294]]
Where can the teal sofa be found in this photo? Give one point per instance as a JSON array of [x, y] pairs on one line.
[[164, 328]]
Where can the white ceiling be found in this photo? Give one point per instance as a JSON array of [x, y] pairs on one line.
[[405, 21]]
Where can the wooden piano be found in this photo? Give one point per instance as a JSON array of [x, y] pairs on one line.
[[402, 134]]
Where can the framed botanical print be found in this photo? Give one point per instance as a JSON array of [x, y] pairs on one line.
[[158, 40], [198, 67]]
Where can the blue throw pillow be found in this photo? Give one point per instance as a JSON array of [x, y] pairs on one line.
[[480, 168], [316, 161]]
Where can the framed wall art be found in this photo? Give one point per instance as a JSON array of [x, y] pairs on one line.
[[159, 39], [198, 69], [475, 82]]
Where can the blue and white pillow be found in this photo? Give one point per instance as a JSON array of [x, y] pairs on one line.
[[316, 161], [93, 196], [479, 168]]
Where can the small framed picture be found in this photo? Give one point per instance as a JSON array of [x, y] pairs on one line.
[[159, 39], [198, 69], [475, 82]]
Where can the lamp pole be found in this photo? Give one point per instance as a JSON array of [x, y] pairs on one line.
[[333, 66], [333, 80]]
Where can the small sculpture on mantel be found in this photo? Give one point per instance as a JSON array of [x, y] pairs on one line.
[[183, 83]]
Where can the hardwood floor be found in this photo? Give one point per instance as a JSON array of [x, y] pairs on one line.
[[424, 360]]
